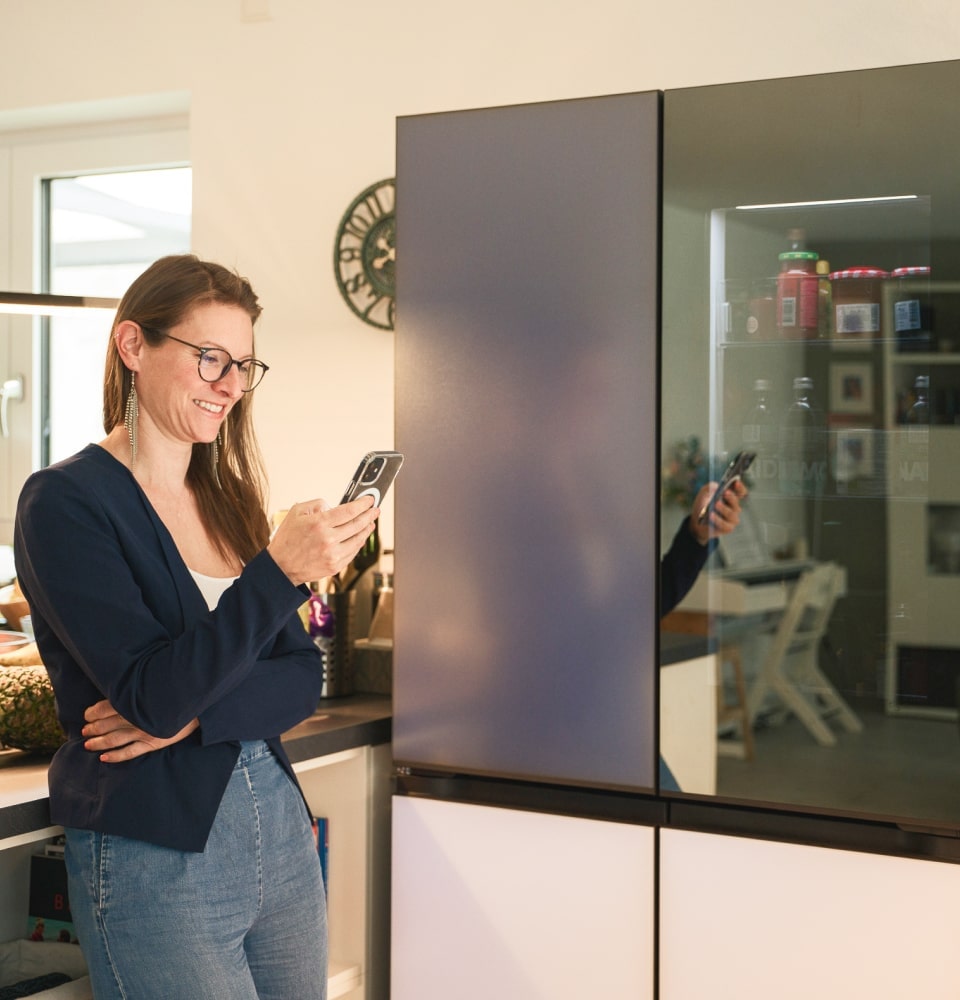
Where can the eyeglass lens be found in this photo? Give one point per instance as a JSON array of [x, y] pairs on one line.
[[215, 365]]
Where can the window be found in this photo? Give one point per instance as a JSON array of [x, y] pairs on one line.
[[64, 187], [101, 232]]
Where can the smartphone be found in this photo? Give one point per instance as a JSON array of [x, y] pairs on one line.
[[734, 471], [376, 471]]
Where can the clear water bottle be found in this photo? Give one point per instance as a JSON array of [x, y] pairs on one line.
[[803, 460], [913, 467], [918, 416], [760, 434]]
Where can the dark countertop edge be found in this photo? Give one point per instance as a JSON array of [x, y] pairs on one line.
[[675, 647], [341, 724], [338, 724]]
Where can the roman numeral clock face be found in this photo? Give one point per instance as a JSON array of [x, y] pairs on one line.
[[365, 254]]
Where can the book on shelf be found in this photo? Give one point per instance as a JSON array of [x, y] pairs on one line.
[[321, 826], [49, 916]]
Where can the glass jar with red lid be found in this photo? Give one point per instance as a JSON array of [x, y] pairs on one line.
[[857, 297], [912, 312]]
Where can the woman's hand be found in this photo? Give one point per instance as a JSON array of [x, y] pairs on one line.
[[118, 740], [315, 541], [725, 515]]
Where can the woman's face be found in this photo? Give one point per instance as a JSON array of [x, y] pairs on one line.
[[173, 396]]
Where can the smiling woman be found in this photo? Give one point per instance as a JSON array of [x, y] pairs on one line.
[[166, 615]]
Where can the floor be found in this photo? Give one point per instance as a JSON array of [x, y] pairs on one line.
[[896, 767]]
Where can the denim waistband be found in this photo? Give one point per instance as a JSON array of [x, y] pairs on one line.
[[251, 750]]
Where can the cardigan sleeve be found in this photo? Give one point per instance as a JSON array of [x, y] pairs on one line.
[[680, 567], [115, 617]]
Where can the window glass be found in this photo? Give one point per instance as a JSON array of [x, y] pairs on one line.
[[103, 230]]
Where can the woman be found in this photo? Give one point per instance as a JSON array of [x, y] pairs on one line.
[[167, 618]]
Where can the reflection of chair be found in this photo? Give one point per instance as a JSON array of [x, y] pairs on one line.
[[789, 668], [700, 623]]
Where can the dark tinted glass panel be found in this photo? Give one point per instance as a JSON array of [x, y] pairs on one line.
[[526, 407], [811, 314]]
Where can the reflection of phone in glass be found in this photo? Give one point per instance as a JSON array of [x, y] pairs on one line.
[[373, 477], [734, 471]]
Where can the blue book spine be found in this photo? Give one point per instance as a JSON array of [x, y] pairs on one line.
[[322, 825]]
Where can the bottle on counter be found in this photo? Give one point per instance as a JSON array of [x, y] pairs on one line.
[[824, 300], [913, 462], [803, 457], [760, 434]]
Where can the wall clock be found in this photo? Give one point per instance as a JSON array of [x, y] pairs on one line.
[[365, 254]]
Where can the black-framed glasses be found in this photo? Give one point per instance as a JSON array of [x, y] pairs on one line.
[[215, 363]]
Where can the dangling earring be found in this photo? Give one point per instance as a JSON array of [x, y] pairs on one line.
[[131, 416], [216, 459]]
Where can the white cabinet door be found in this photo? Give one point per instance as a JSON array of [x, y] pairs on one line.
[[490, 902], [744, 919]]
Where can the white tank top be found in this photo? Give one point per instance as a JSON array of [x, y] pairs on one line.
[[212, 587]]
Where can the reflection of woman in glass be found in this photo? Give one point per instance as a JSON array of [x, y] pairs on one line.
[[693, 542], [689, 551]]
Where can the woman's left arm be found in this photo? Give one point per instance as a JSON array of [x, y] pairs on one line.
[[280, 691]]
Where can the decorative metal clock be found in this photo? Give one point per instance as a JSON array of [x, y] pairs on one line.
[[365, 254]]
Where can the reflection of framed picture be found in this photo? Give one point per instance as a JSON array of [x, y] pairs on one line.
[[853, 454], [851, 388]]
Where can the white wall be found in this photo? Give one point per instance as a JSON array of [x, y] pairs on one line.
[[293, 114]]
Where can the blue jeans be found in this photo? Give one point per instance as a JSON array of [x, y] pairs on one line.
[[668, 783], [243, 920]]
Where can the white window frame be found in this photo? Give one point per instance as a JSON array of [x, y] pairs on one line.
[[25, 162]]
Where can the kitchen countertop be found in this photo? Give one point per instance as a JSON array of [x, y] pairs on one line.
[[675, 647], [338, 724]]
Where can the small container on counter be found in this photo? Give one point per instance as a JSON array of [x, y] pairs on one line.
[[912, 310], [762, 309], [857, 297], [824, 299], [797, 286]]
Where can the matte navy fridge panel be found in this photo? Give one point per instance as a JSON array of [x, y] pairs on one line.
[[527, 380]]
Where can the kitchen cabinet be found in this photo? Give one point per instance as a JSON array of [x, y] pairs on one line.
[[744, 918], [510, 903]]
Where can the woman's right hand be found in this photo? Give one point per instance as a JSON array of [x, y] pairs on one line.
[[315, 541], [115, 739]]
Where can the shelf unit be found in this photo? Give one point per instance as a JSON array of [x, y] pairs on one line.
[[922, 678], [340, 787]]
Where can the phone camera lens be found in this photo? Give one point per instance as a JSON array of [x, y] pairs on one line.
[[373, 470]]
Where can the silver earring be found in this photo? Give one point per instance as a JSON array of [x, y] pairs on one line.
[[216, 459], [131, 416]]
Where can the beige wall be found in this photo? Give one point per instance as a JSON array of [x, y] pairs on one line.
[[292, 115]]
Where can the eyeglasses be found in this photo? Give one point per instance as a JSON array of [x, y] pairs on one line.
[[215, 363]]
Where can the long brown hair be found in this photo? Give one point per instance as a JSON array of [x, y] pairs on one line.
[[230, 495]]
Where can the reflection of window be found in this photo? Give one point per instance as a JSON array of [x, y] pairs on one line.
[[102, 230]]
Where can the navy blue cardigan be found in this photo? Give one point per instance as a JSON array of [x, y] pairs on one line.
[[680, 567], [117, 615]]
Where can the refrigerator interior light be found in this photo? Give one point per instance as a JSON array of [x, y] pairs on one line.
[[827, 202], [44, 304]]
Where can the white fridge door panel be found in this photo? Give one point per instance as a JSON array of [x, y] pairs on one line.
[[493, 902], [744, 919]]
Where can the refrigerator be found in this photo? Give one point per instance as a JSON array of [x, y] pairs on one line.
[[526, 621]]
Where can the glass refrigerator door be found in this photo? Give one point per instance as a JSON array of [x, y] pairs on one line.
[[811, 315]]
